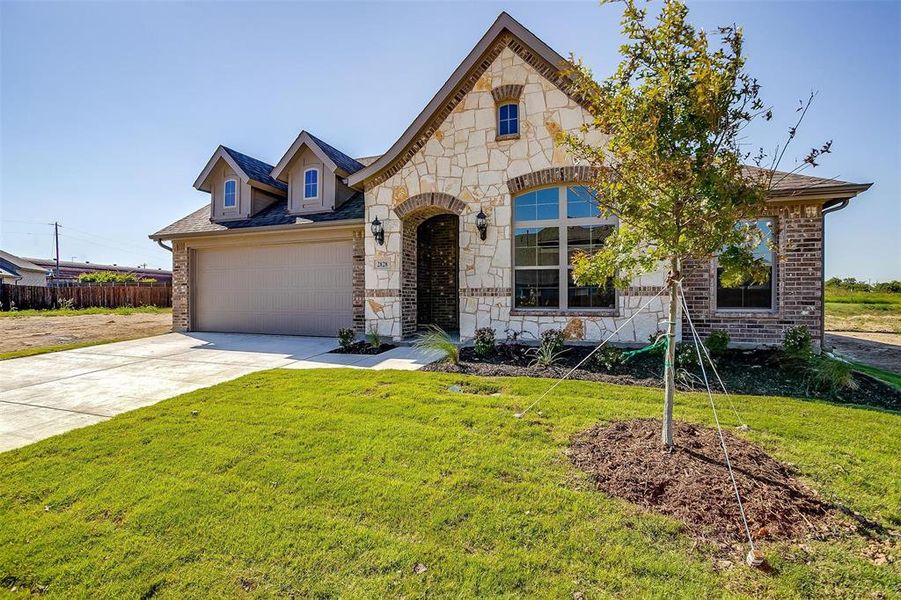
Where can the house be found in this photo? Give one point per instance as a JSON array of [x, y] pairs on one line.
[[466, 221], [21, 271], [72, 269]]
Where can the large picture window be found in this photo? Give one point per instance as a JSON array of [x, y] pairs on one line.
[[549, 226], [750, 295]]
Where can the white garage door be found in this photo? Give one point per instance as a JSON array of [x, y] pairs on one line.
[[297, 289]]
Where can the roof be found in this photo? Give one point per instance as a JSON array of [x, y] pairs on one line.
[[367, 160], [20, 263], [342, 160], [4, 274], [276, 215], [794, 185], [68, 264], [256, 169], [458, 79]]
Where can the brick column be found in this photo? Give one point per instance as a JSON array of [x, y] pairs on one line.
[[181, 277]]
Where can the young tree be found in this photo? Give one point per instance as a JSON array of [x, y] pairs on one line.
[[672, 167]]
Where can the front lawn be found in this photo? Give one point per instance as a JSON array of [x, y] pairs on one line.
[[75, 312], [387, 484]]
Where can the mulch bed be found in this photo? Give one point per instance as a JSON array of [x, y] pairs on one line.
[[752, 372], [362, 347], [692, 484]]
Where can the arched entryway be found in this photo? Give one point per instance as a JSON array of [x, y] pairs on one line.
[[430, 286]]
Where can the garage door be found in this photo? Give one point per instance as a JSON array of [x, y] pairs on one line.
[[297, 289]]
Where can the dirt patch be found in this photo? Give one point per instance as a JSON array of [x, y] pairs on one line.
[[752, 372], [20, 333], [882, 350], [692, 483]]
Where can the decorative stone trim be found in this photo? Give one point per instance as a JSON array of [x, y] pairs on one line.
[[507, 40], [383, 293], [641, 290], [430, 200], [486, 292], [598, 312], [552, 175], [511, 91]]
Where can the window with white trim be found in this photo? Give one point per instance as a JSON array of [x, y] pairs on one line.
[[549, 226], [751, 295], [310, 184], [230, 194]]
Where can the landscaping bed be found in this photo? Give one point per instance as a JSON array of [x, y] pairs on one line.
[[691, 483], [755, 372], [362, 347]]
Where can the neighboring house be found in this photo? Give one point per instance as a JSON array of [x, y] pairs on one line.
[[21, 271], [72, 269], [394, 243]]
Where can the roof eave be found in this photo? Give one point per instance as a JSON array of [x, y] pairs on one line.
[[260, 229], [837, 192]]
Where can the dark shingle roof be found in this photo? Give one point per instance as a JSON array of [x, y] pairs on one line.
[[342, 160], [256, 169], [794, 184], [275, 214]]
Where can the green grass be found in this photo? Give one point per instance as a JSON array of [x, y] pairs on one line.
[[336, 483], [862, 311], [887, 376], [58, 348], [75, 312]]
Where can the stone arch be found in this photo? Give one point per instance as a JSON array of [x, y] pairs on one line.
[[553, 175], [429, 204]]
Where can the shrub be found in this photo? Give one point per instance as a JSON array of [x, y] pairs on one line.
[[65, 303], [438, 340], [545, 355], [553, 339], [107, 277], [828, 375], [717, 342], [796, 342], [607, 358], [373, 338], [686, 355], [346, 337], [484, 341]]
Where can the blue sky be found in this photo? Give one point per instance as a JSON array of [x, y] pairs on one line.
[[110, 110]]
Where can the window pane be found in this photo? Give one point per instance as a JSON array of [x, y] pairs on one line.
[[751, 295], [581, 203], [591, 296], [587, 238], [542, 204], [508, 119], [537, 289], [536, 246], [230, 189]]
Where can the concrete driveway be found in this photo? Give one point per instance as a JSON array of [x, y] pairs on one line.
[[45, 395]]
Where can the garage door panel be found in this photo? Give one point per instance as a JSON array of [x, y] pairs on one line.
[[302, 289]]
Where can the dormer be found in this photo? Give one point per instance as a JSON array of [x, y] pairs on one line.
[[239, 185], [314, 173]]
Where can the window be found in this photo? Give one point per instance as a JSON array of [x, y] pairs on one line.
[[549, 226], [508, 119], [311, 184], [751, 296], [230, 199]]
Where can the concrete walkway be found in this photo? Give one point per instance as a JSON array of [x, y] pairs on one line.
[[42, 396]]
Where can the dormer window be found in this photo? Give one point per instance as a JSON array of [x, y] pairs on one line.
[[230, 198], [508, 119], [311, 184]]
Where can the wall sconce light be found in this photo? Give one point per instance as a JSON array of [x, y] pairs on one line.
[[378, 232], [482, 224]]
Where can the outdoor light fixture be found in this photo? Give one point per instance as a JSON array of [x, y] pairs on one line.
[[378, 232], [482, 224]]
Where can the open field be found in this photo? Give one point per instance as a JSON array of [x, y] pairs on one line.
[[25, 335], [862, 311], [388, 484], [77, 312]]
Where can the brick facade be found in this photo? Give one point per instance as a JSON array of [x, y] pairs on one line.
[[181, 276], [359, 282], [798, 280], [437, 299]]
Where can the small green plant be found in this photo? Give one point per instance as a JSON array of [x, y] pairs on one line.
[[717, 342], [686, 355], [828, 375], [373, 338], [65, 304], [13, 307], [346, 337], [438, 340], [796, 343], [545, 355], [607, 358], [484, 341], [553, 339]]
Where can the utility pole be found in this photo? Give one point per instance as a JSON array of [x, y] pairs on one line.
[[56, 242]]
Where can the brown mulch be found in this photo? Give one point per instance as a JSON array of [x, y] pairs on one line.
[[362, 347], [692, 484]]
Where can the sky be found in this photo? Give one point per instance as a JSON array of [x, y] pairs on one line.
[[110, 110]]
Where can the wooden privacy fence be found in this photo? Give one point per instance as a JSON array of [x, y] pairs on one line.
[[108, 296]]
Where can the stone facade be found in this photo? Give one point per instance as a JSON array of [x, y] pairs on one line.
[[462, 160], [798, 280]]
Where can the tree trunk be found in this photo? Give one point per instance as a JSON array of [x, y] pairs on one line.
[[669, 372]]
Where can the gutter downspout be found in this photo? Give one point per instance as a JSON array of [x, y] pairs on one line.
[[164, 246], [834, 207]]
